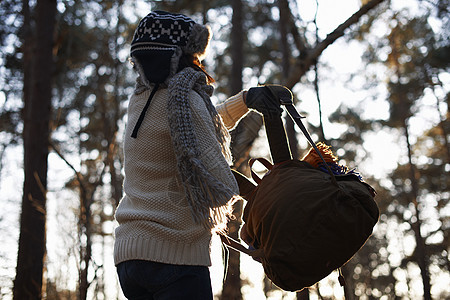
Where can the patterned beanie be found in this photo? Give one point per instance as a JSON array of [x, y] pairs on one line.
[[167, 34], [160, 30]]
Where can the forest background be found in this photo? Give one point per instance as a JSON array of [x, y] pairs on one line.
[[372, 77]]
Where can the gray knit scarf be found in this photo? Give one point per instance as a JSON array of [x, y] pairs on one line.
[[208, 197]]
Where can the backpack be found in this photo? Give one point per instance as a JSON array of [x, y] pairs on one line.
[[304, 218]]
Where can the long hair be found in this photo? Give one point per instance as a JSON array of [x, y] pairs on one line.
[[187, 60]]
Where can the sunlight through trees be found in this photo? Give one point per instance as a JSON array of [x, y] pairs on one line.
[[372, 78]]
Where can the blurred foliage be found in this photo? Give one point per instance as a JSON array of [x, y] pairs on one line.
[[411, 53], [406, 53]]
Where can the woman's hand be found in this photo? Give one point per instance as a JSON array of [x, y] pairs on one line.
[[266, 99]]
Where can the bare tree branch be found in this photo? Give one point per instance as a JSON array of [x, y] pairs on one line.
[[299, 39], [303, 65], [79, 176], [246, 135]]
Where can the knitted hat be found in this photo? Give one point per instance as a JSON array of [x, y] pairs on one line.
[[162, 30], [163, 37]]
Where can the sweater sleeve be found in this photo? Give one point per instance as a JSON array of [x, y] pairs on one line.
[[232, 110]]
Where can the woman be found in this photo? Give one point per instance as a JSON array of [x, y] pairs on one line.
[[178, 185]]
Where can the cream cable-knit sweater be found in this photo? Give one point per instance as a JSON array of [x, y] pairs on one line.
[[155, 221]]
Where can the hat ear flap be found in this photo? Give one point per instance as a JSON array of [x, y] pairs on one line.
[[198, 40]]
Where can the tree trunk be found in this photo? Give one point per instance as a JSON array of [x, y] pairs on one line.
[[442, 126], [349, 286], [237, 38], [316, 84], [28, 283], [283, 24], [319, 103], [303, 294], [420, 251], [116, 176], [232, 285], [85, 234]]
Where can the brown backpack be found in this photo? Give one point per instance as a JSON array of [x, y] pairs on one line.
[[302, 222]]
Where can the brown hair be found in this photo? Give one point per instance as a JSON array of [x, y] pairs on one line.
[[187, 60]]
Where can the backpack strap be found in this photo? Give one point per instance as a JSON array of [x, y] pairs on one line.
[[264, 162], [276, 135], [295, 116], [256, 254], [278, 142]]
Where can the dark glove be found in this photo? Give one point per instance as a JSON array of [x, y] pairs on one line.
[[266, 99]]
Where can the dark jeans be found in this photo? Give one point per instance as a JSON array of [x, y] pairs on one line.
[[145, 280]]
